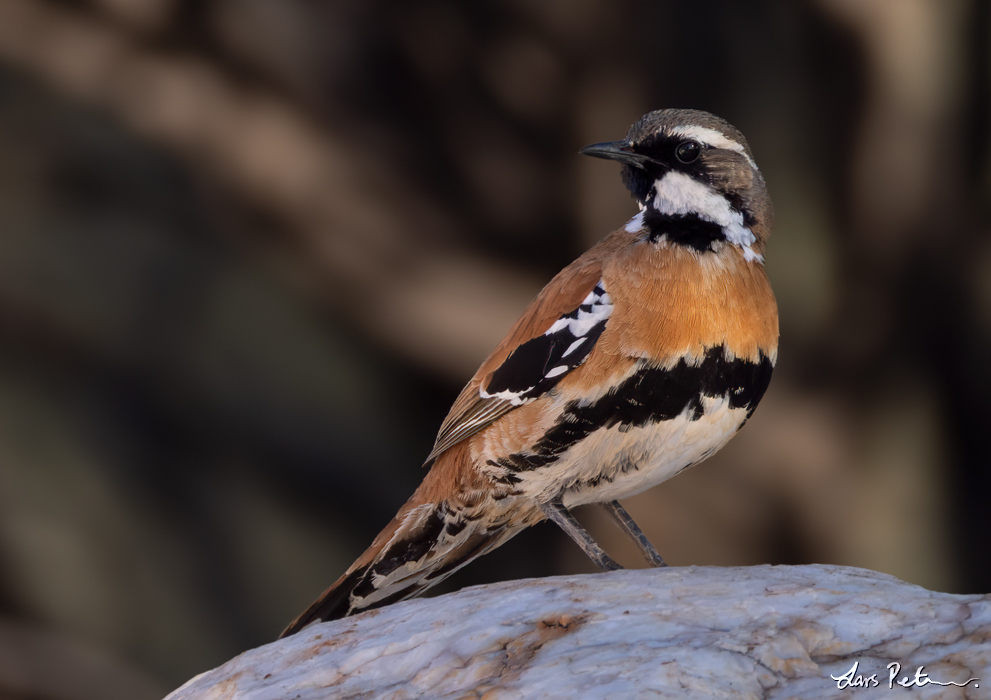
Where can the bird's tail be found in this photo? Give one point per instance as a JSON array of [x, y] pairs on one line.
[[428, 540]]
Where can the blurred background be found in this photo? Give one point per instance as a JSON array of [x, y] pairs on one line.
[[250, 250]]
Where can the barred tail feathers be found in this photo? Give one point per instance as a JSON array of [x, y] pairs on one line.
[[413, 553]]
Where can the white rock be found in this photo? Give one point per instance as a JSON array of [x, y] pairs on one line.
[[695, 632]]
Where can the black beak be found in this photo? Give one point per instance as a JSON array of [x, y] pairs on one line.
[[616, 150]]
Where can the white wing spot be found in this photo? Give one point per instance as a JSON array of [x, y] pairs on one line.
[[573, 347], [601, 306], [512, 397]]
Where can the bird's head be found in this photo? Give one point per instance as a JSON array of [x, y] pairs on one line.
[[680, 162]]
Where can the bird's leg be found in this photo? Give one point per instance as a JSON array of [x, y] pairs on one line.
[[625, 522], [556, 511]]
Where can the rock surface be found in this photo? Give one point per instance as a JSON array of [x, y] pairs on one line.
[[693, 632]]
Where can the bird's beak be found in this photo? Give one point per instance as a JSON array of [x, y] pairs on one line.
[[616, 150]]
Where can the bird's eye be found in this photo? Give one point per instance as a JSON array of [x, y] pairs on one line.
[[688, 151]]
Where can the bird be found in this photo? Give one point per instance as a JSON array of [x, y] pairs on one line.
[[638, 360]]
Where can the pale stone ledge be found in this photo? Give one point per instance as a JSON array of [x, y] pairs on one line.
[[694, 632]]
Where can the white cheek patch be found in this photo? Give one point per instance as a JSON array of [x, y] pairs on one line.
[[713, 138], [680, 194]]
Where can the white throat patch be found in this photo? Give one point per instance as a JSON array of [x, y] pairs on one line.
[[680, 194]]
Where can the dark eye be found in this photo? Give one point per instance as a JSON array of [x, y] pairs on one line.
[[687, 151]]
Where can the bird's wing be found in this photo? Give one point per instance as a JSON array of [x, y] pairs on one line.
[[553, 337]]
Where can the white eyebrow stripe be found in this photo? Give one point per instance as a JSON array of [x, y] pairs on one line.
[[713, 138]]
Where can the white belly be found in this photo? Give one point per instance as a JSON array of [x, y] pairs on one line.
[[614, 463]]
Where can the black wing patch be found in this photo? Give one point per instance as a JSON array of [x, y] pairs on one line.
[[538, 364], [533, 368]]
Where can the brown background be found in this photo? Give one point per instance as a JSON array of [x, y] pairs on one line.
[[251, 249]]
